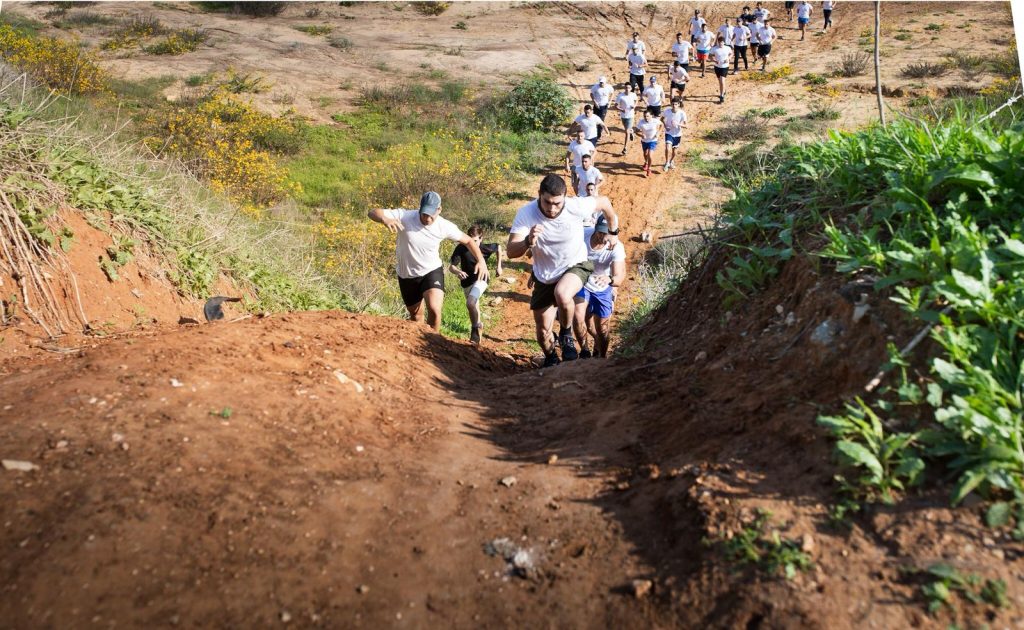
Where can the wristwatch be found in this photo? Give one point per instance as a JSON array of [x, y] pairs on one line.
[[614, 232]]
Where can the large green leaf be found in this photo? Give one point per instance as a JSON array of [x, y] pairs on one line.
[[859, 455]]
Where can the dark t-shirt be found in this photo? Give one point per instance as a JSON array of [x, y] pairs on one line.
[[467, 261]]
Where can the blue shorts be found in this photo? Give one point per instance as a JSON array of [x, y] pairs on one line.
[[599, 303], [649, 146], [803, 20], [673, 139]]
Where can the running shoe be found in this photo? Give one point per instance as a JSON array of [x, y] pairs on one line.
[[550, 360], [647, 171], [585, 353], [668, 165], [474, 336], [568, 344]]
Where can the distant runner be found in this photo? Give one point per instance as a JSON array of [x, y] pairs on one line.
[[725, 32], [637, 65], [636, 44], [650, 128], [740, 40], [721, 57], [552, 226], [596, 300], [587, 173], [702, 43], [626, 104], [591, 124], [675, 120], [601, 94], [789, 11], [766, 35], [463, 265], [803, 17], [746, 17], [761, 14], [696, 22], [577, 149], [420, 272], [681, 51], [653, 96], [677, 77], [826, 9]]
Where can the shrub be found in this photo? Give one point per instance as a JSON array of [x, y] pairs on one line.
[[822, 111], [935, 27], [460, 26], [854, 64], [179, 42], [317, 29], [815, 79], [743, 128], [259, 9], [904, 37], [774, 112], [340, 42], [923, 70], [536, 103], [60, 64], [779, 73], [431, 8]]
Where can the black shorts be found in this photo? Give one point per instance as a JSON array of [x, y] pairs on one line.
[[685, 66], [678, 86], [544, 294], [413, 288], [654, 109], [601, 111], [763, 50], [790, 5], [721, 72]]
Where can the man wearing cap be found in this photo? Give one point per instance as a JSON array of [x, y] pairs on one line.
[[552, 226], [420, 272], [596, 300], [601, 94], [653, 96], [591, 124]]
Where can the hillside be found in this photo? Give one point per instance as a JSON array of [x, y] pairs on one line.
[[338, 469]]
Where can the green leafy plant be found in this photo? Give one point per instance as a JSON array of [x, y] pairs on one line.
[[317, 29], [924, 70], [943, 581], [768, 551], [536, 103]]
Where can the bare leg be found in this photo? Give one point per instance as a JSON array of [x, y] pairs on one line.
[[473, 306], [565, 293], [415, 311], [603, 337], [435, 302], [579, 326], [544, 318]]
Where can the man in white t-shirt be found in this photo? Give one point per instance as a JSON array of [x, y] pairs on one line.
[[803, 17], [653, 96], [420, 272], [587, 173], [552, 226], [740, 41], [574, 156], [703, 43], [826, 9], [601, 94], [595, 302], [649, 128], [681, 51], [696, 22], [721, 58], [675, 120], [637, 69], [626, 104], [677, 79], [761, 14], [591, 124], [636, 44], [725, 31], [765, 36]]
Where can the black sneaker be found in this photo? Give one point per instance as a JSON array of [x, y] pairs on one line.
[[474, 336], [569, 347], [585, 353], [551, 360]]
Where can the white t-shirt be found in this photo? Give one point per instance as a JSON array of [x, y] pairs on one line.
[[601, 95], [649, 129], [674, 122], [654, 95], [740, 35], [626, 103], [720, 56], [803, 10], [589, 124], [682, 51], [678, 74], [761, 14], [765, 35], [704, 41], [602, 259], [587, 176], [726, 31], [636, 64], [827, 5], [639, 46], [419, 245], [579, 149], [560, 245], [695, 23]]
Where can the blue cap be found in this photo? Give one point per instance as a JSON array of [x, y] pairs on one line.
[[601, 225], [430, 202]]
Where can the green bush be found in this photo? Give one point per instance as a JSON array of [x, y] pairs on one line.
[[536, 103]]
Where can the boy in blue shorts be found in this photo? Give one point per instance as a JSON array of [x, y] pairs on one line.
[[803, 17], [595, 302], [650, 129]]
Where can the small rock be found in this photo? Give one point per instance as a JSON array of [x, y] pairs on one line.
[[117, 438], [137, 293], [360, 448], [624, 485], [124, 446], [61, 444], [508, 279], [553, 505], [988, 541], [552, 459], [497, 300], [790, 318], [807, 544], [999, 554], [641, 588], [344, 380], [176, 383], [701, 356], [15, 464], [825, 333], [860, 311], [780, 309], [508, 482], [286, 616]]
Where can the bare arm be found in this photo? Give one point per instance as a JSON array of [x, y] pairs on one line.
[[618, 273], [519, 244], [501, 252], [605, 205], [377, 214], [481, 264]]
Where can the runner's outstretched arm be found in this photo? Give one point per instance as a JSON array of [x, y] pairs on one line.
[[377, 214], [518, 244], [501, 252], [605, 205], [481, 264]]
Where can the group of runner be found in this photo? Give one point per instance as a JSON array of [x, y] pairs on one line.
[[578, 261]]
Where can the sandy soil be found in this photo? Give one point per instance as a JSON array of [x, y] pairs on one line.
[[338, 470]]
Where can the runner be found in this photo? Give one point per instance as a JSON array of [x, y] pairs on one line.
[[626, 104], [789, 11], [703, 43], [552, 226], [579, 147], [463, 265], [761, 14], [677, 78], [420, 272], [591, 124], [803, 16], [675, 120], [696, 22], [601, 94], [766, 35], [596, 300], [746, 17], [740, 39], [637, 63], [725, 31], [650, 128], [826, 9], [653, 96], [755, 33], [721, 57], [636, 44], [681, 51], [587, 173]]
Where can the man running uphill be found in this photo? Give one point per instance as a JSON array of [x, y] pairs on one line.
[[420, 272], [463, 265], [552, 225]]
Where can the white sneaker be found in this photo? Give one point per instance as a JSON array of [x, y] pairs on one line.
[[668, 165]]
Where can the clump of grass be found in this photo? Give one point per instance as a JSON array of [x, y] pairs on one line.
[[774, 112], [904, 37], [769, 552], [340, 42], [935, 27], [460, 26], [315, 29], [823, 111], [854, 64], [775, 75], [179, 42], [84, 18], [431, 8], [250, 82], [924, 70], [814, 79]]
